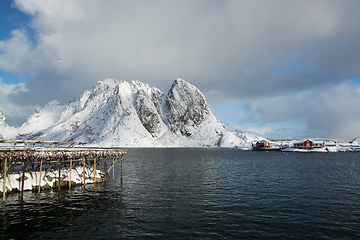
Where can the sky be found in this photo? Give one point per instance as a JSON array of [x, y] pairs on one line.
[[279, 68]]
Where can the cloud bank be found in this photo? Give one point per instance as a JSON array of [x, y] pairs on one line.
[[331, 112], [231, 50]]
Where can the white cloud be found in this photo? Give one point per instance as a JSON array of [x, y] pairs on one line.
[[15, 52], [156, 41], [229, 49]]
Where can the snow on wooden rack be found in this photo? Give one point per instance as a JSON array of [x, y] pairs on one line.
[[45, 167]]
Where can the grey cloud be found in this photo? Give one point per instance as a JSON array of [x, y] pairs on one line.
[[230, 49], [331, 112]]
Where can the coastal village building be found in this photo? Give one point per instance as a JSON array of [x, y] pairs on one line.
[[263, 145], [309, 144]]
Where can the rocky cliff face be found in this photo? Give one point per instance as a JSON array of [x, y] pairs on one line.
[[120, 113], [185, 108]]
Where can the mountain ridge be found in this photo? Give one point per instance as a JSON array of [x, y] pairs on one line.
[[117, 113]]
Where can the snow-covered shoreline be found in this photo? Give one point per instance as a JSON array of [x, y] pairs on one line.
[[323, 150]]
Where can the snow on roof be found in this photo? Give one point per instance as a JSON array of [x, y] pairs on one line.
[[310, 140]]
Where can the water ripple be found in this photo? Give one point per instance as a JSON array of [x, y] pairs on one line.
[[201, 194]]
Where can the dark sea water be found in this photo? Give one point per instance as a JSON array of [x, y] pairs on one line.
[[201, 194]]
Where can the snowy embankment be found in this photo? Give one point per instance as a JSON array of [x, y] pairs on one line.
[[291, 149], [324, 149], [32, 179]]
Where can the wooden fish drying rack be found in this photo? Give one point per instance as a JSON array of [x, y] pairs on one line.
[[50, 153]]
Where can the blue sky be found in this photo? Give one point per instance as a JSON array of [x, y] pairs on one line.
[[278, 68]]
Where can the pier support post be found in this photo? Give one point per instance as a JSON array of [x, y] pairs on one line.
[[84, 170], [70, 172], [23, 182], [94, 168], [4, 184], [105, 168], [40, 176], [121, 171], [59, 174], [113, 165]]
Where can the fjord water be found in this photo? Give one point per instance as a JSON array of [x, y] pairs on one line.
[[201, 194]]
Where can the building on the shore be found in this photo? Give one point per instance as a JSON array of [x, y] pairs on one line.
[[309, 144], [265, 145]]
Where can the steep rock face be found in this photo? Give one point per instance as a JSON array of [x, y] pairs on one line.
[[120, 113], [185, 108], [145, 101]]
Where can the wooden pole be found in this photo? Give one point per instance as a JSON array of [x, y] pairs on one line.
[[22, 182], [40, 176], [47, 171], [4, 184], [121, 171], [94, 168], [59, 173], [113, 169], [84, 170], [70, 172], [105, 170]]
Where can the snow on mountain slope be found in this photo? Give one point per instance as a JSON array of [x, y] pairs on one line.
[[245, 135], [120, 113], [6, 132], [41, 118]]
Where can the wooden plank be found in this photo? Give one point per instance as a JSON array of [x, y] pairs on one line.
[[110, 166], [8, 169], [48, 171]]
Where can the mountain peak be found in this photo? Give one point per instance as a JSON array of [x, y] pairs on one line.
[[179, 83], [119, 113], [110, 82]]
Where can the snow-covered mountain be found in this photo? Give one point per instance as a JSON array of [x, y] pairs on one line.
[[131, 114], [6, 131], [246, 136], [41, 118]]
